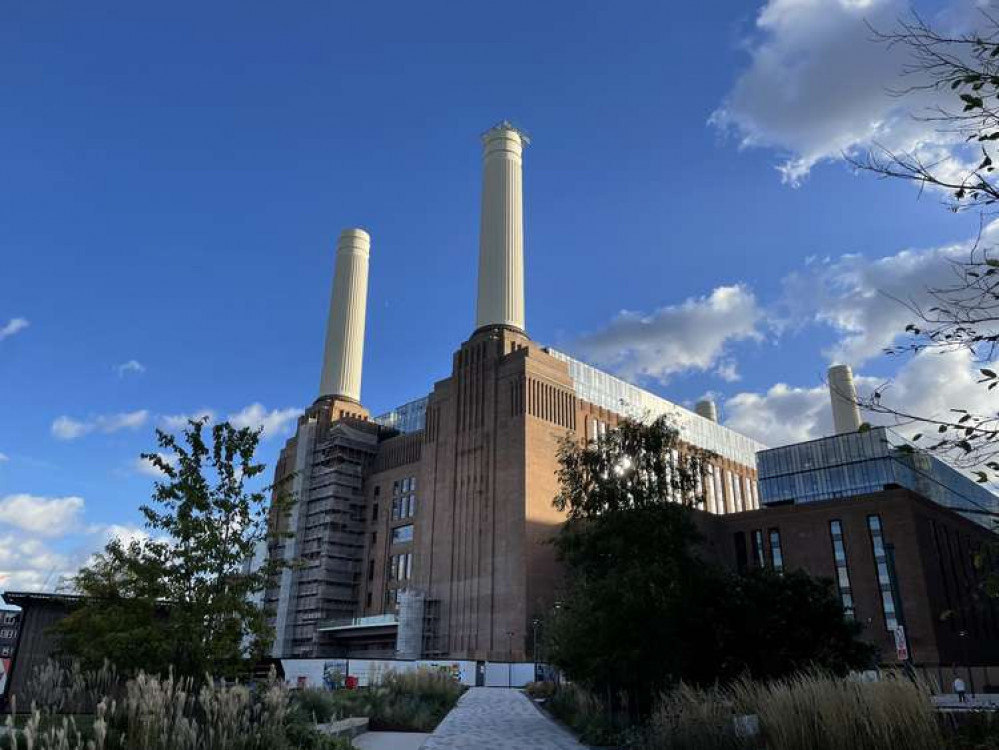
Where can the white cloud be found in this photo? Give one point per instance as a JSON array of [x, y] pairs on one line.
[[146, 467], [860, 297], [132, 365], [4, 458], [14, 325], [691, 336], [29, 564], [273, 422], [175, 422], [928, 385], [67, 428], [818, 86], [47, 516]]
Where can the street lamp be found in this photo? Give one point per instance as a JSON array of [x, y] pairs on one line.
[[536, 624], [509, 658]]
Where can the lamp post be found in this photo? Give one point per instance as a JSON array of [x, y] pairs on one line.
[[509, 658], [536, 624]]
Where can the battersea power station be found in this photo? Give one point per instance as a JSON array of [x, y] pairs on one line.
[[422, 533]]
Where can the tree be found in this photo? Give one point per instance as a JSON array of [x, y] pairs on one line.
[[963, 315], [183, 597], [643, 607]]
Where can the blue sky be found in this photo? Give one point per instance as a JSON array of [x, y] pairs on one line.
[[173, 178]]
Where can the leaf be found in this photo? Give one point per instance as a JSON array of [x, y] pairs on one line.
[[982, 477], [917, 436], [994, 262], [964, 445], [942, 428], [865, 427], [987, 372]]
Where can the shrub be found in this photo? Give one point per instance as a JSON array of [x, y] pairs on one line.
[[153, 713], [810, 710], [591, 718], [315, 705], [537, 690], [414, 701]]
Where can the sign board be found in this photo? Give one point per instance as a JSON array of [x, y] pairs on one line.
[[901, 645]]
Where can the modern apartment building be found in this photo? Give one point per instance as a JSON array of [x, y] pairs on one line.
[[423, 531]]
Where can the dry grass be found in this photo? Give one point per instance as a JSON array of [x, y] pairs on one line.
[[152, 713], [810, 710]]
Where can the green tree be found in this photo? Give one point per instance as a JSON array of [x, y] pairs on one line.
[[184, 597], [644, 607]]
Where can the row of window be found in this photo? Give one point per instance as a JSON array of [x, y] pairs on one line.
[[842, 573], [401, 567], [759, 550], [881, 564], [402, 534], [741, 492], [402, 486], [403, 506]]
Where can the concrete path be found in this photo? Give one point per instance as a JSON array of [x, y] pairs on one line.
[[389, 740], [499, 719]]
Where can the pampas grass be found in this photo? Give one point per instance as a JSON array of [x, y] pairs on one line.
[[810, 710], [150, 713]]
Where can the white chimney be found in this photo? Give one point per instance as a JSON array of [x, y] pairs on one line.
[[707, 409], [345, 330], [843, 394], [501, 235]]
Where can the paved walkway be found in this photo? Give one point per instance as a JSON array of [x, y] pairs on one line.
[[389, 740], [499, 719]]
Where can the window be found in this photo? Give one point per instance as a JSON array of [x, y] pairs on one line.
[[5, 651], [371, 569], [402, 534], [7, 633], [374, 512], [759, 556], [739, 538], [401, 567], [776, 553], [374, 538], [10, 618], [884, 575], [842, 572], [367, 601]]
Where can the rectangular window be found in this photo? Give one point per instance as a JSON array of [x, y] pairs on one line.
[[842, 572], [884, 578], [759, 556], [5, 651], [371, 569], [409, 565], [374, 512], [402, 534], [776, 553], [10, 618], [367, 602], [739, 538]]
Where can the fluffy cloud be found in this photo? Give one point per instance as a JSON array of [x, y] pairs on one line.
[[14, 325], [133, 366], [273, 422], [861, 298], [4, 458], [927, 385], [31, 565], [47, 516], [817, 86], [691, 336], [67, 428]]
